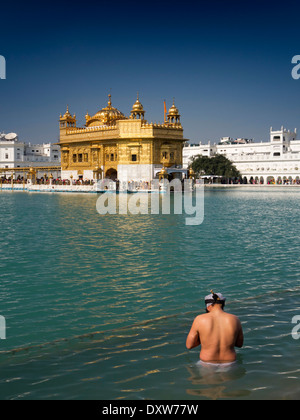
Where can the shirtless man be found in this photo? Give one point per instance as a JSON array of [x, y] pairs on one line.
[[217, 332]]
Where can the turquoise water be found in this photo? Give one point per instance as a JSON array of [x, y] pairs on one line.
[[99, 306]]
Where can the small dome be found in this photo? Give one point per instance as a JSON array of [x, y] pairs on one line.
[[173, 115], [173, 111], [67, 114], [137, 107]]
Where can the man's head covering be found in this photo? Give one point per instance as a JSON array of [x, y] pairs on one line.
[[214, 298]]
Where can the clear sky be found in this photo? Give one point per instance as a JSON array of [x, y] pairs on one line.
[[227, 63]]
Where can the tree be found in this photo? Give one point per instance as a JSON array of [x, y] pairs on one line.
[[218, 165]]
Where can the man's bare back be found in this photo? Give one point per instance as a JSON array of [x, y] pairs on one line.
[[218, 333]]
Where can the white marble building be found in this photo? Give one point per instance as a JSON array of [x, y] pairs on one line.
[[276, 161], [17, 154]]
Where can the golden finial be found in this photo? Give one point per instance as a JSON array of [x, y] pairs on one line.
[[109, 100], [67, 112]]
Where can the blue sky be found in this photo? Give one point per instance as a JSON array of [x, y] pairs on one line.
[[227, 63]]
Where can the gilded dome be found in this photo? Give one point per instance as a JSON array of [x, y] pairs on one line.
[[106, 116], [137, 106], [137, 109], [67, 113], [67, 117], [173, 111]]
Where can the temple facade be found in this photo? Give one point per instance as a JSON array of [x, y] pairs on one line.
[[112, 145]]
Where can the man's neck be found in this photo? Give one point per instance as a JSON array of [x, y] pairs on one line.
[[216, 309]]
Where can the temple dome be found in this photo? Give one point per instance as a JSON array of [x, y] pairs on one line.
[[173, 111], [137, 109], [106, 116], [173, 115], [137, 106]]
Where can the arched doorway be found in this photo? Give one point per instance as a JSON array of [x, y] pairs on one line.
[[111, 174], [80, 175], [270, 180]]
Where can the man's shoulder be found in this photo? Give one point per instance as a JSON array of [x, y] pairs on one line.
[[232, 317], [201, 318]]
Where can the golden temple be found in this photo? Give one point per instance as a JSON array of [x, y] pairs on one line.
[[114, 146]]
